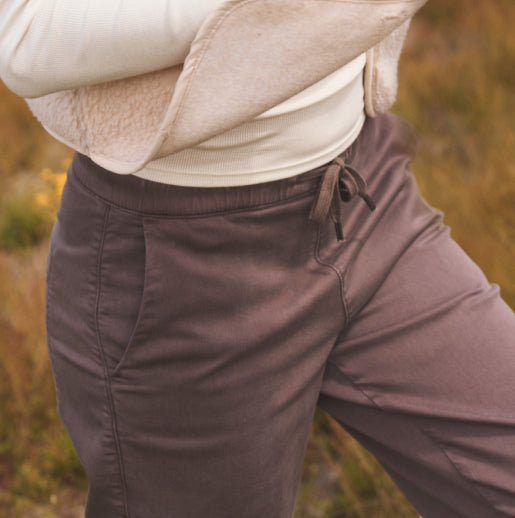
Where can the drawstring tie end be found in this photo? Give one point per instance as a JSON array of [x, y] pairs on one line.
[[340, 183]]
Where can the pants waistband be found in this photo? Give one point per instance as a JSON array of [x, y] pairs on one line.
[[146, 197]]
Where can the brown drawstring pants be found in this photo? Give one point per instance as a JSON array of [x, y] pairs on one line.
[[193, 331]]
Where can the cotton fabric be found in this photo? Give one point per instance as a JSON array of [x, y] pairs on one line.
[[193, 331]]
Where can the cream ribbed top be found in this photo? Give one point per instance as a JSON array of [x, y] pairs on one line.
[[299, 134]]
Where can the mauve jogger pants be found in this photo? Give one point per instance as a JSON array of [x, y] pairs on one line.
[[193, 331]]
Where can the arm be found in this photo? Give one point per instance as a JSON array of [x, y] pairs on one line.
[[53, 45]]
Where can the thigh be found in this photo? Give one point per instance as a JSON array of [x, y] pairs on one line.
[[77, 360], [423, 375], [188, 349]]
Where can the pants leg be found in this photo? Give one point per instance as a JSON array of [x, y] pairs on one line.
[[192, 332], [188, 331], [423, 374]]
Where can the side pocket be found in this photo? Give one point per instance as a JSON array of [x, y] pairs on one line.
[[121, 286]]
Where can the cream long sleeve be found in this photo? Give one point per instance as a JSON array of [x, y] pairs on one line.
[[53, 45]]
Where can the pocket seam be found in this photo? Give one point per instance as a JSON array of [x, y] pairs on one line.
[[109, 392], [132, 340]]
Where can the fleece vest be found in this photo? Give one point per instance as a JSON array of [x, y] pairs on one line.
[[247, 57]]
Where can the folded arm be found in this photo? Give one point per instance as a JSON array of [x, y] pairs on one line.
[[53, 45]]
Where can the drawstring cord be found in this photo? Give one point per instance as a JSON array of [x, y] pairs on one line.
[[340, 183]]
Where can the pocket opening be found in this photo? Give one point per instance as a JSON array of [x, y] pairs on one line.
[[122, 287]]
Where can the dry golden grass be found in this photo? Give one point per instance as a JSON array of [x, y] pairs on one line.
[[456, 87], [36, 457], [23, 144]]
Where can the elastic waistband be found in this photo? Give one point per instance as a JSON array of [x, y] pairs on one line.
[[135, 194]]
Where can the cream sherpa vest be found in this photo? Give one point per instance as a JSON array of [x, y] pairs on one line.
[[248, 56]]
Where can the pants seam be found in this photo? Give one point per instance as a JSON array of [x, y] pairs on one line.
[[49, 295], [458, 471], [355, 385], [428, 435], [107, 378], [335, 270]]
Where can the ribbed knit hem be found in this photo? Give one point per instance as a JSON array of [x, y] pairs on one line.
[[229, 180]]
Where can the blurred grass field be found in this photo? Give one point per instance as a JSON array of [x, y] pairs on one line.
[[457, 80]]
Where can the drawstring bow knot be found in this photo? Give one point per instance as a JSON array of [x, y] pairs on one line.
[[340, 184]]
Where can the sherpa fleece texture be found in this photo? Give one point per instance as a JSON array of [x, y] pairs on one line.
[[247, 57], [380, 80]]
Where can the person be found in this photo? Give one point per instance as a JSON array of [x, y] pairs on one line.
[[240, 240]]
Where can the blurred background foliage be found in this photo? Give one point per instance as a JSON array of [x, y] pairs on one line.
[[456, 86]]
